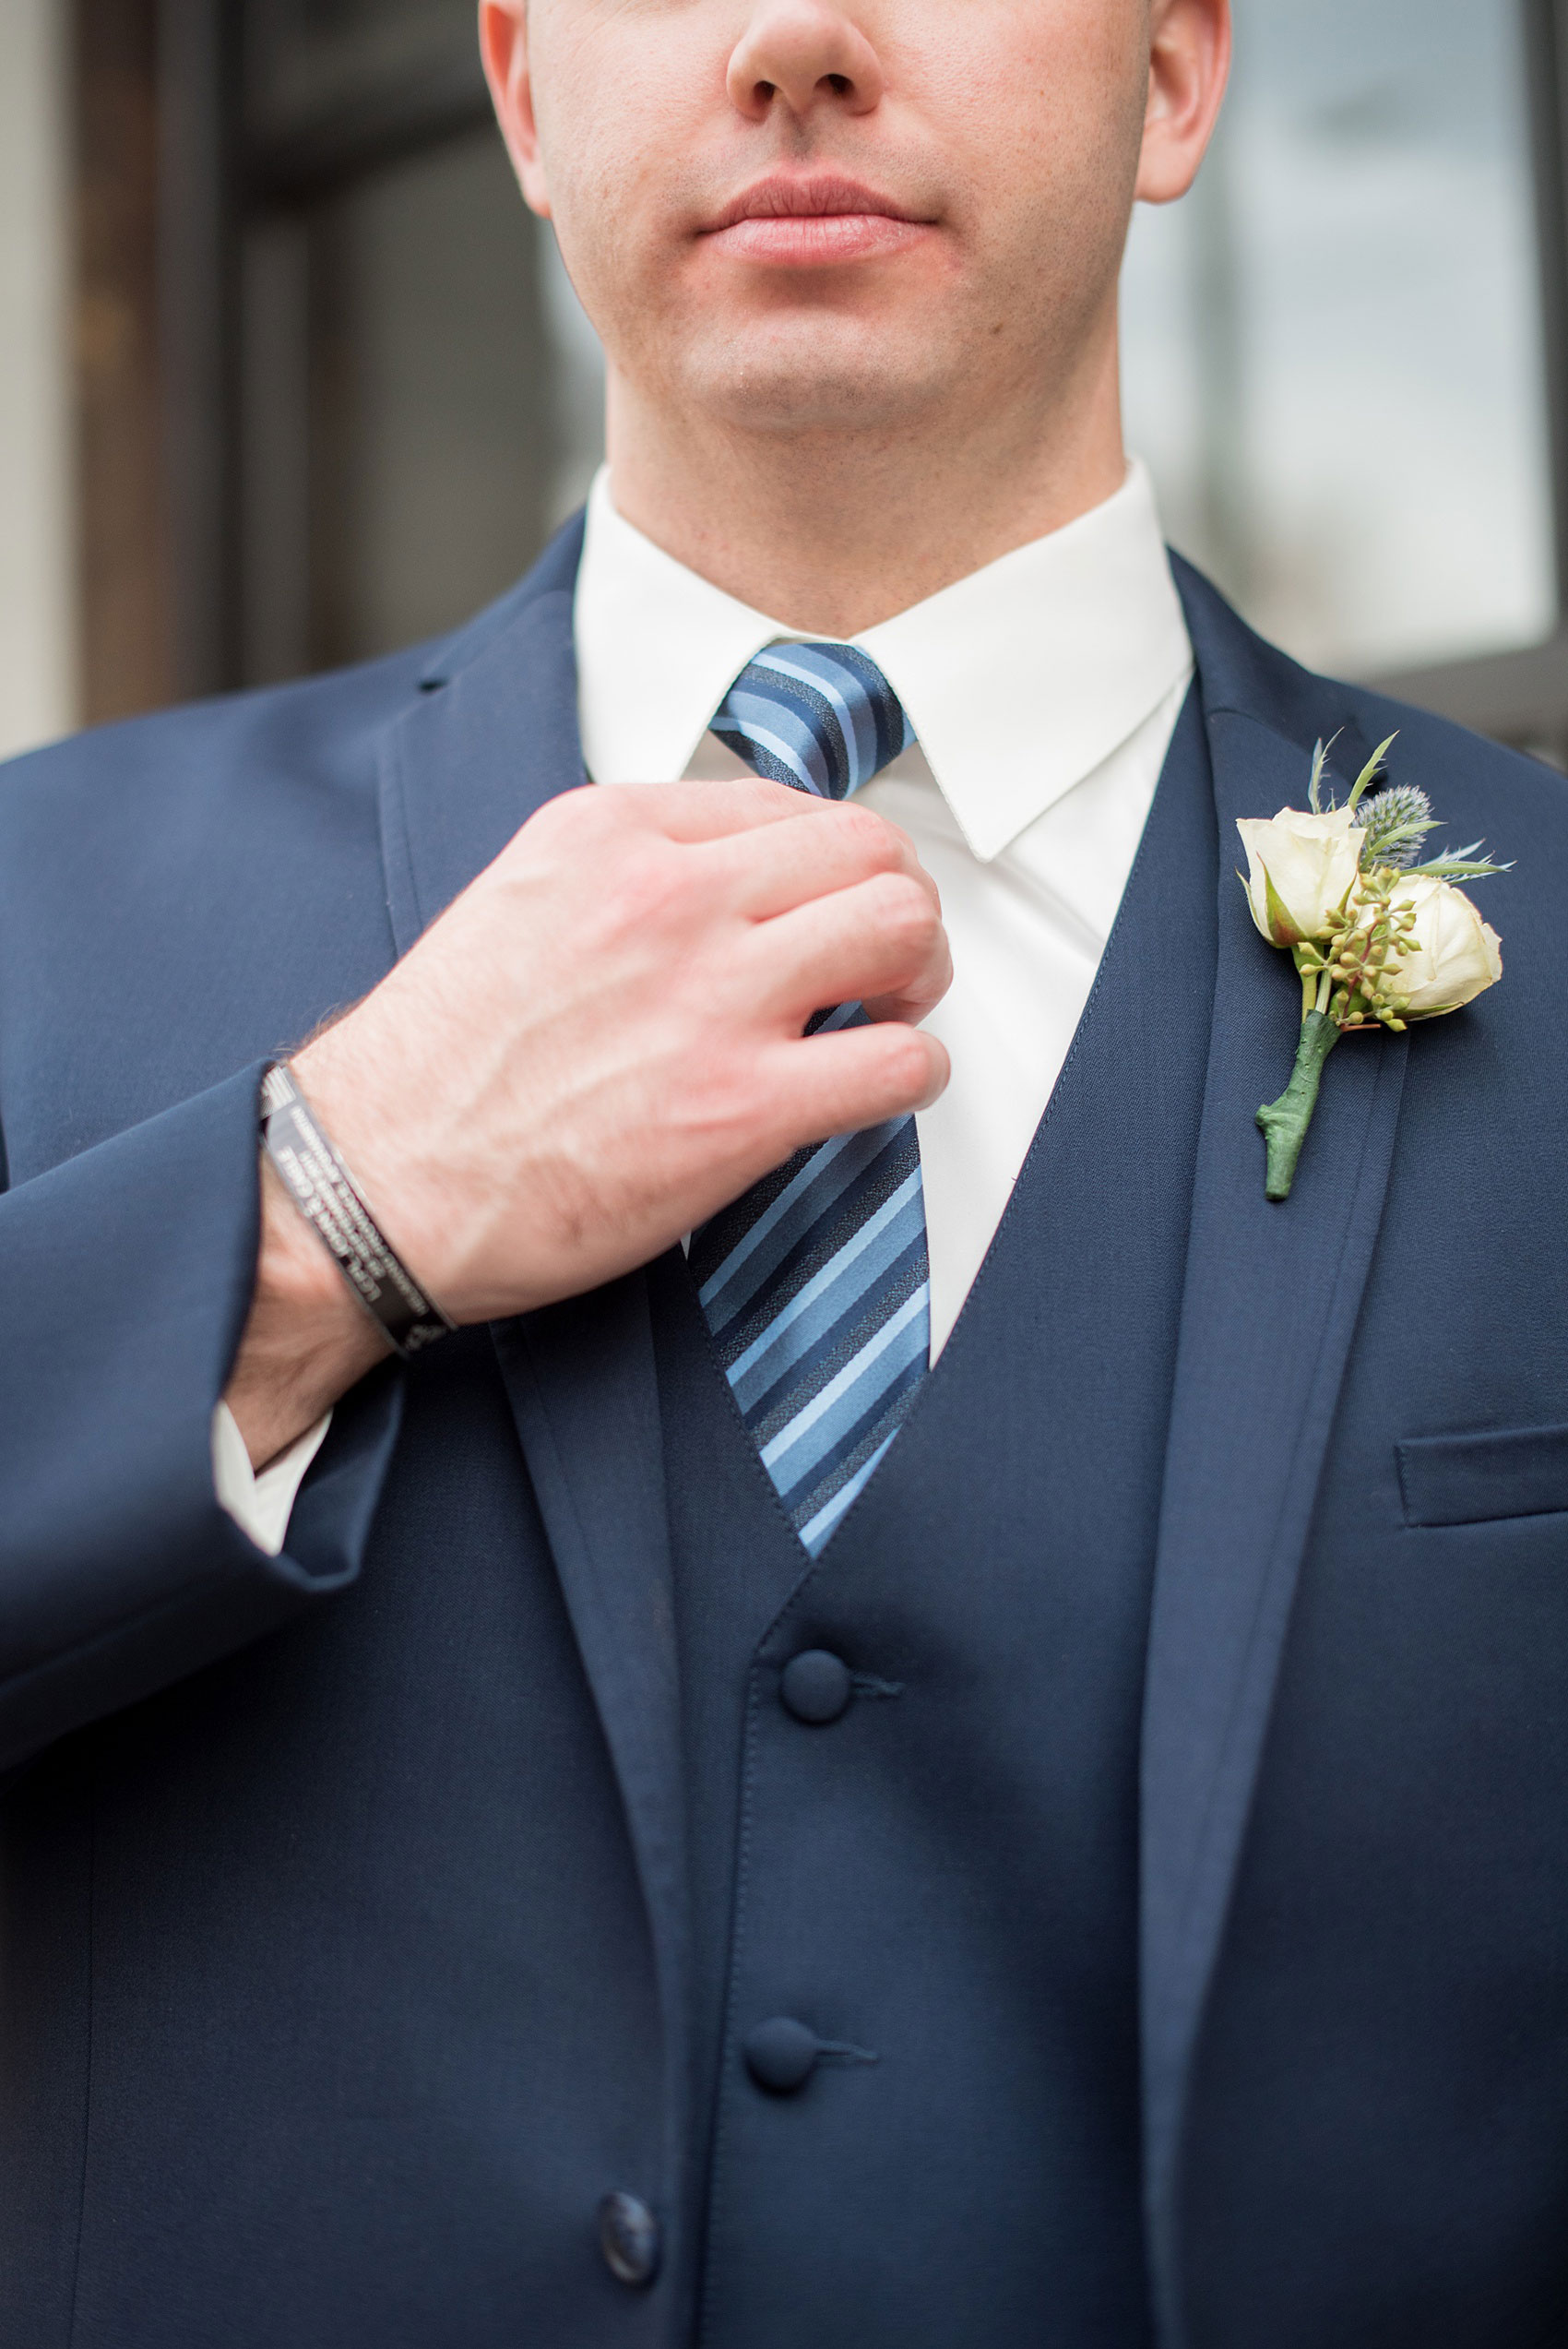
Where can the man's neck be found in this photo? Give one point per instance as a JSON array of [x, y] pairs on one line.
[[832, 532]]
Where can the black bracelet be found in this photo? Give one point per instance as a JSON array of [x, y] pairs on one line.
[[327, 1197]]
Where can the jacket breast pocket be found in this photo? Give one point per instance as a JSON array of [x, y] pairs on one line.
[[1469, 1480]]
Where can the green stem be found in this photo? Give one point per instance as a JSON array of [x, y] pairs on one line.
[[1285, 1121]]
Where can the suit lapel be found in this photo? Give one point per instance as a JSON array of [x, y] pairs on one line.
[[492, 736], [1269, 1307]]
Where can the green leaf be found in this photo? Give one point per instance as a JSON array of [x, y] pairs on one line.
[[1373, 767], [1455, 868], [1281, 928], [1320, 769]]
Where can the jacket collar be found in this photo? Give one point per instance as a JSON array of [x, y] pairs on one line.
[[1269, 1306]]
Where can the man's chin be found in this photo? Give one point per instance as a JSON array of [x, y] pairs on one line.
[[814, 389]]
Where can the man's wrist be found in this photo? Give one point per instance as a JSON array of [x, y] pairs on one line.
[[339, 1073], [317, 1180], [306, 1340]]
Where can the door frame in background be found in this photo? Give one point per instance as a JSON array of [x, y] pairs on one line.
[[182, 144]]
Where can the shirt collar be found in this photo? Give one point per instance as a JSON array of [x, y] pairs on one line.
[[1019, 681]]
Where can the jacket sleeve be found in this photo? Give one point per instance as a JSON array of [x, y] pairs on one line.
[[125, 1275]]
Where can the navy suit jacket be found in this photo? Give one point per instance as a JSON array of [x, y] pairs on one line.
[[344, 1892]]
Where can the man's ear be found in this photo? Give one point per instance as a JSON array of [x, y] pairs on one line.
[[1189, 64], [504, 45]]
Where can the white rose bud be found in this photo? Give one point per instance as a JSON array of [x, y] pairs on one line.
[[1301, 869], [1454, 955]]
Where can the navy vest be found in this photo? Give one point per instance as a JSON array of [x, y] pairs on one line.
[[940, 1883]]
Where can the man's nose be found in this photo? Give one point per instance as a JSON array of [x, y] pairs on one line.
[[806, 53]]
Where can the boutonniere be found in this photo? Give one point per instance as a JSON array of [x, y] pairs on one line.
[[1379, 940]]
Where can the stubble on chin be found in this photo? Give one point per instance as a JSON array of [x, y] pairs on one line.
[[809, 375]]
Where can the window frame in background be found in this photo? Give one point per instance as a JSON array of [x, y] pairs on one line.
[[1521, 697]]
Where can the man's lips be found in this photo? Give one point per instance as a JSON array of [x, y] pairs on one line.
[[812, 222]]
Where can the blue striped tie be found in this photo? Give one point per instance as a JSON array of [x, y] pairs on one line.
[[815, 1285]]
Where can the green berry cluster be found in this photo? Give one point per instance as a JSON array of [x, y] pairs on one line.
[[1361, 959]]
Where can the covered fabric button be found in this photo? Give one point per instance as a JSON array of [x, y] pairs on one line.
[[815, 1686], [628, 2236], [781, 2055]]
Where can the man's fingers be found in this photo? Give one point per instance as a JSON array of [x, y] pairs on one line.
[[582, 825], [881, 939], [854, 1076], [692, 812], [764, 873]]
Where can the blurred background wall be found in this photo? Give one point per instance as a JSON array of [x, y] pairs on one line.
[[292, 377]]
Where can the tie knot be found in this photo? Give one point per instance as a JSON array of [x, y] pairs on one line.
[[821, 718]]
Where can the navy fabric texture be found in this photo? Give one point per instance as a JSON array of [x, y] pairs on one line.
[[365, 1913]]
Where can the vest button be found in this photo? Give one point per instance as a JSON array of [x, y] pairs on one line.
[[628, 2236], [815, 1686], [781, 2055]]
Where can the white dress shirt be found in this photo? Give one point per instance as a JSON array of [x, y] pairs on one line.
[[1043, 691]]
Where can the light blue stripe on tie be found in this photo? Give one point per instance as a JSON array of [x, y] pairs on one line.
[[772, 1217], [913, 1310], [784, 752], [812, 1311], [860, 1410], [779, 726], [756, 714], [856, 718], [836, 1264], [854, 1185], [815, 1531]]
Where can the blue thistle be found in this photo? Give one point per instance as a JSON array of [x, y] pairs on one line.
[[1395, 821]]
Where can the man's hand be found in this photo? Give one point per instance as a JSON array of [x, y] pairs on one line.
[[597, 1046]]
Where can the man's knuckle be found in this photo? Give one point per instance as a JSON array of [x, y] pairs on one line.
[[870, 837], [907, 910], [574, 811], [641, 888]]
